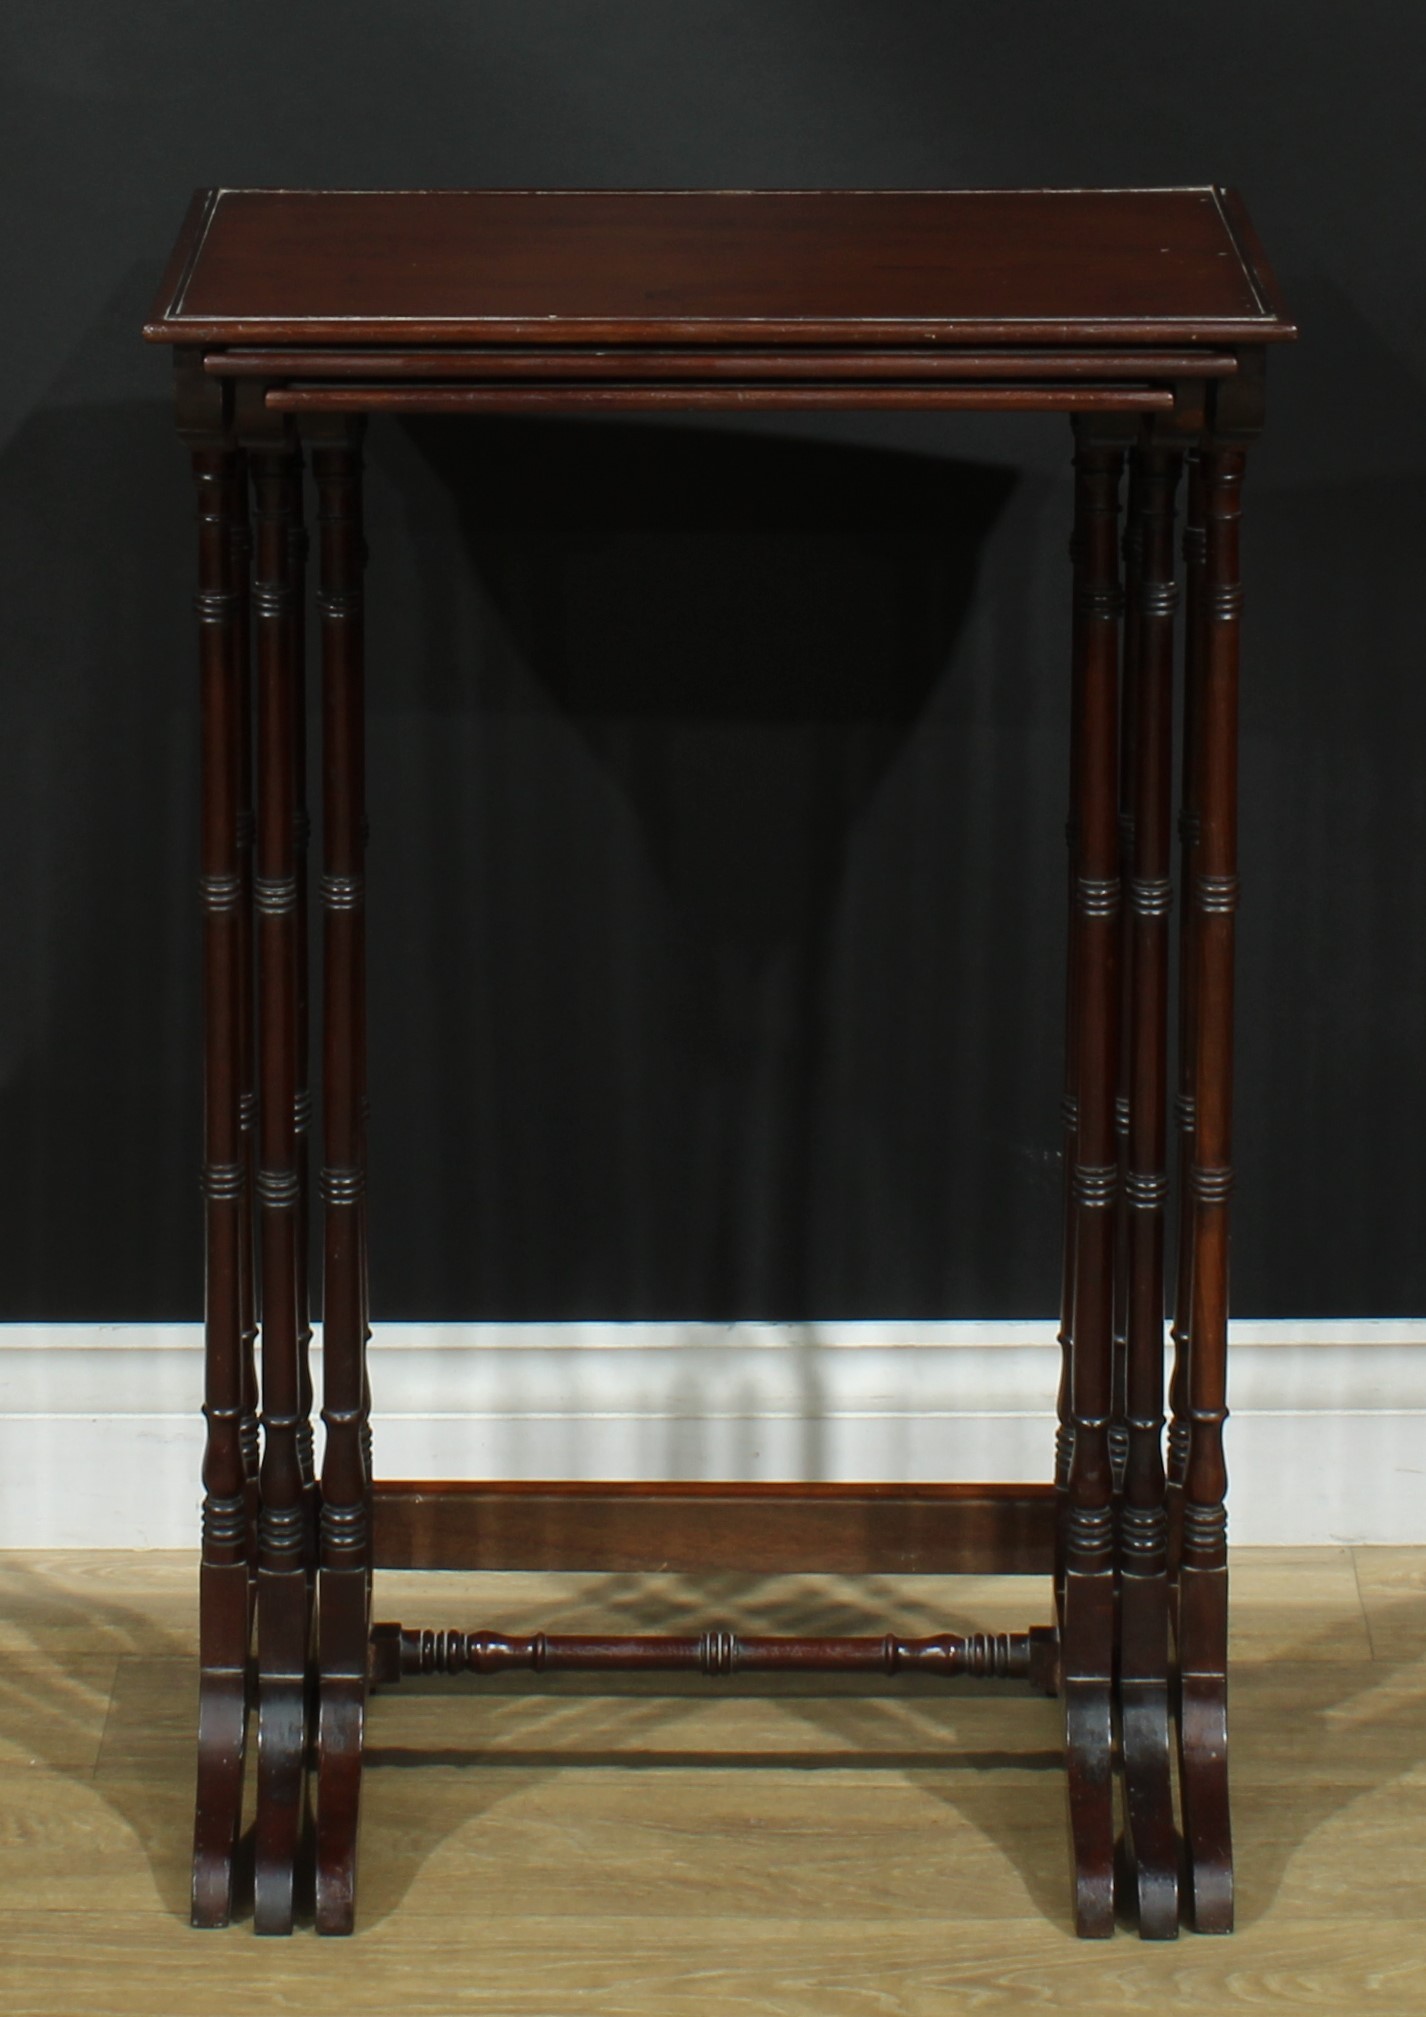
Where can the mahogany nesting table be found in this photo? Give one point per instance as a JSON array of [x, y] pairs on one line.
[[1143, 314]]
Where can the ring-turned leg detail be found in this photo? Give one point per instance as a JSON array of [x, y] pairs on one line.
[[1203, 1567], [1178, 1428], [302, 1101], [240, 543], [1069, 1120], [1144, 1739], [224, 1582], [1132, 549], [1088, 1624], [344, 1577], [284, 1598], [302, 1130]]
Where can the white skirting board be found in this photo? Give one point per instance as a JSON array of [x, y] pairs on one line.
[[101, 1440]]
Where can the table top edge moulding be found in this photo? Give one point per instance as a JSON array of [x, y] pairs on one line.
[[1143, 314], [723, 269]]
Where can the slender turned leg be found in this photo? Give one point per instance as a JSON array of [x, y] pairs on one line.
[[343, 1601], [1088, 1629], [284, 1611], [1193, 554], [364, 1121], [1143, 1539], [224, 1625], [302, 1117], [1203, 1564], [302, 1099], [1133, 554], [1064, 1431], [241, 546]]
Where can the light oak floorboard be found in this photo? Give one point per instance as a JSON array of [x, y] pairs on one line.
[[53, 1715], [1393, 1586], [672, 1845], [770, 1967]]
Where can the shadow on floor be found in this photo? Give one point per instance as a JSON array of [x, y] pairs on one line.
[[100, 1689]]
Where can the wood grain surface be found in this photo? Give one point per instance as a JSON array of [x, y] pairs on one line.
[[814, 266], [768, 1528], [668, 1844]]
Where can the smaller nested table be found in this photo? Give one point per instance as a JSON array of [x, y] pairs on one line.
[[1145, 315]]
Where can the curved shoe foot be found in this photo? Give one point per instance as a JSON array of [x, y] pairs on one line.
[[225, 1695], [340, 1721], [1151, 1845], [218, 1805], [1089, 1764], [281, 1804], [1203, 1782], [284, 1640]]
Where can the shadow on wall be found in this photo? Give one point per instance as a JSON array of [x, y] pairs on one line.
[[700, 756], [717, 785]]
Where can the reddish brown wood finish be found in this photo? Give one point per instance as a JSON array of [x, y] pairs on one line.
[[344, 1583], [1194, 548], [1087, 1665], [1017, 398], [1146, 314], [1131, 549], [1069, 1111], [397, 1652], [643, 365], [302, 1096], [284, 1613], [1203, 1559], [622, 1529], [1143, 1552], [248, 1287], [863, 268], [226, 1568], [1254, 256]]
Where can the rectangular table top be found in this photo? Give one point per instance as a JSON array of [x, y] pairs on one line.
[[718, 268]]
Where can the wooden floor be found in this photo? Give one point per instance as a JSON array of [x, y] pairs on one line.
[[818, 1847]]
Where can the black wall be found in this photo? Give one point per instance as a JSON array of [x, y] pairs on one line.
[[716, 773]]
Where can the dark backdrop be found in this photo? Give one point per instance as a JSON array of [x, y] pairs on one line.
[[716, 772]]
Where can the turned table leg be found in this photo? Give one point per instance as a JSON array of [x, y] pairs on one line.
[[1132, 549], [1088, 1603], [1069, 1112], [1202, 1602], [302, 1097], [224, 1627], [1143, 1551], [248, 1285], [344, 1576], [1178, 1427], [284, 1607]]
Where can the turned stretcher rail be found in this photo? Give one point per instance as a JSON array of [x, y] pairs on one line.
[[397, 1651]]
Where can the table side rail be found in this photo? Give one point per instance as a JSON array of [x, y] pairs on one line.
[[637, 363], [693, 1528], [359, 398]]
